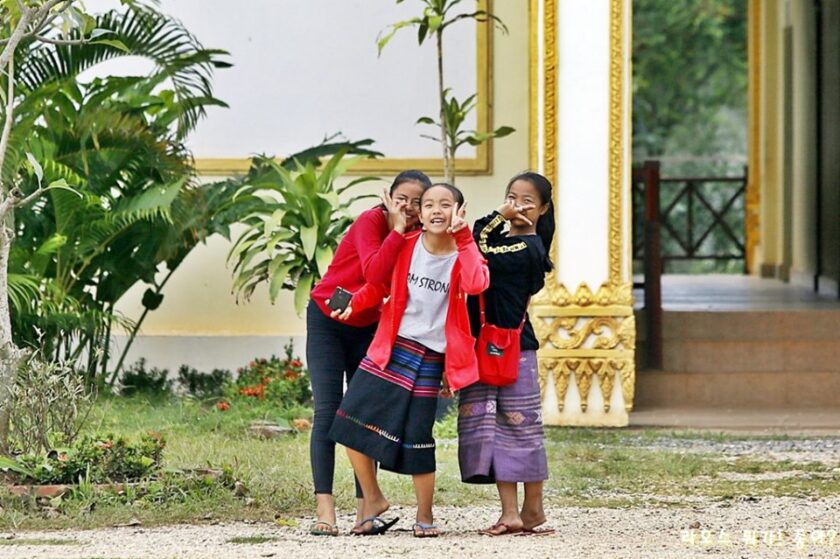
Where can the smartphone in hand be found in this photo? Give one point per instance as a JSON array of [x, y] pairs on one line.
[[340, 299]]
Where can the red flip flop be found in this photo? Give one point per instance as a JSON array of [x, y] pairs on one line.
[[506, 530]]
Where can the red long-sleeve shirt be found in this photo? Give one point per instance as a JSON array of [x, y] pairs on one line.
[[366, 254]]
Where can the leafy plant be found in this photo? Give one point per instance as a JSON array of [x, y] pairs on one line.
[[91, 459], [436, 17], [152, 382], [118, 140], [49, 405], [282, 381], [203, 385], [292, 234]]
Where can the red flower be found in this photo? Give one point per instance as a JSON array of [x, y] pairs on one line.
[[296, 363], [222, 406], [291, 375]]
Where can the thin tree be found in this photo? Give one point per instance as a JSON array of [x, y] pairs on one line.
[[57, 22], [437, 17]]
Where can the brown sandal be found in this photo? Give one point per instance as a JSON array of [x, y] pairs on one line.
[[505, 530]]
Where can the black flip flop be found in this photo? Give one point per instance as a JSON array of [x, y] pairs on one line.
[[377, 526]]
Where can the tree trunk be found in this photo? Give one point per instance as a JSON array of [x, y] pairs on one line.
[[444, 131], [10, 355]]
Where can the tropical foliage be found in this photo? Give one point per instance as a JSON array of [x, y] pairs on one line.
[[293, 232], [119, 141]]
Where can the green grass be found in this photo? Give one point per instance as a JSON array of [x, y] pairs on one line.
[[588, 467]]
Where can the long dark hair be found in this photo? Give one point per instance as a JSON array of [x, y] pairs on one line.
[[411, 175], [545, 223], [456, 193]]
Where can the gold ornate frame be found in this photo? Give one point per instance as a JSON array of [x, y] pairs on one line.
[[481, 164], [588, 333]]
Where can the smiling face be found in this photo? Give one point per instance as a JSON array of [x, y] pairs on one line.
[[522, 193], [436, 209], [410, 193]]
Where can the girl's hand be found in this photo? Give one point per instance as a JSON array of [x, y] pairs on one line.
[[458, 219], [511, 210], [340, 315], [397, 218], [445, 391]]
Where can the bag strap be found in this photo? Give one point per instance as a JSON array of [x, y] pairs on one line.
[[483, 316], [524, 316]]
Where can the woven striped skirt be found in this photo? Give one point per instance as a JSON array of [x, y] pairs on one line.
[[500, 431], [389, 414]]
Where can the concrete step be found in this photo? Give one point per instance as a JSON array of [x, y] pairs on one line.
[[725, 355], [797, 324], [716, 389]]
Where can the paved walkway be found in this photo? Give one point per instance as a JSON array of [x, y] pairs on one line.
[[767, 421]]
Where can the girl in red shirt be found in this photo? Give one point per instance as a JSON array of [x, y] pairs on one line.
[[424, 335], [334, 348]]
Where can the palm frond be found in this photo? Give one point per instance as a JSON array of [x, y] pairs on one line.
[[176, 53]]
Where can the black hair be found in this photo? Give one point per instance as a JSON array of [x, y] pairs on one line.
[[411, 175], [545, 223], [456, 193]]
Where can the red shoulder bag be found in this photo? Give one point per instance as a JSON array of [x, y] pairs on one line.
[[498, 351]]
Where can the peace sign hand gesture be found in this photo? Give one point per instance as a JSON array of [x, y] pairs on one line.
[[458, 219], [397, 218], [510, 210]]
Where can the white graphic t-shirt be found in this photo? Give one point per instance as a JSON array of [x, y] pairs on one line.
[[428, 298]]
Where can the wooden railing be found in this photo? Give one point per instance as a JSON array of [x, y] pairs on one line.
[[702, 219]]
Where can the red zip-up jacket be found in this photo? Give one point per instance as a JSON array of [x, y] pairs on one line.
[[470, 276], [366, 254]]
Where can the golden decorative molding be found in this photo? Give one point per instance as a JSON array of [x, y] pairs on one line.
[[588, 333], [608, 294], [586, 371], [533, 83], [550, 60], [617, 172], [481, 164], [753, 195]]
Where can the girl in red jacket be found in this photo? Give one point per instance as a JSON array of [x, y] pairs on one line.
[[388, 411]]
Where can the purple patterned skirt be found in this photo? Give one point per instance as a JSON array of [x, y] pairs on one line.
[[500, 431]]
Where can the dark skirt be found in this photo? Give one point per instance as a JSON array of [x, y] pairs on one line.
[[500, 431], [389, 414]]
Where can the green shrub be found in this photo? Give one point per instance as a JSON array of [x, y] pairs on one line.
[[281, 381], [138, 380], [93, 459], [203, 385]]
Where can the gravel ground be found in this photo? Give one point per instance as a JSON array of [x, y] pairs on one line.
[[813, 449], [773, 527], [767, 527]]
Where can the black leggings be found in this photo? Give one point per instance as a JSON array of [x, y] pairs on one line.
[[333, 352]]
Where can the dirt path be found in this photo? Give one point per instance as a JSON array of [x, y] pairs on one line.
[[766, 527]]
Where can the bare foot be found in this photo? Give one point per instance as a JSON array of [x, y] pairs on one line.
[[532, 518], [325, 508], [425, 530], [505, 525]]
